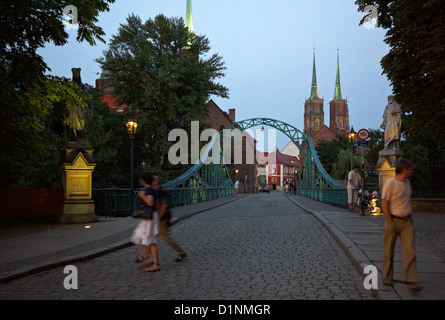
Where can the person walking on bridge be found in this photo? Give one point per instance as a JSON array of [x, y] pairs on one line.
[[396, 204], [236, 188], [164, 214], [145, 234]]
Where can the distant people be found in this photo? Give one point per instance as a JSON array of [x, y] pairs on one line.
[[291, 188], [236, 188], [145, 233], [396, 204], [354, 181], [286, 187], [164, 214]]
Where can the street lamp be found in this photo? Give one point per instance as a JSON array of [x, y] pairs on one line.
[[352, 136], [132, 127]]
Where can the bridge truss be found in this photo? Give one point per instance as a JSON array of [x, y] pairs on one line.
[[207, 181]]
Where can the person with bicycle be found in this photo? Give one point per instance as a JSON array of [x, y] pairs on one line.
[[354, 181]]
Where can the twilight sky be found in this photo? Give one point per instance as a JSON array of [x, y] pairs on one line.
[[267, 47]]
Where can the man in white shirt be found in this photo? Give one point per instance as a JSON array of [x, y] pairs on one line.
[[236, 188], [354, 180], [396, 204]]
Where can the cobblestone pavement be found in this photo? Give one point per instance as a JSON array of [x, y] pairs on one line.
[[260, 247]]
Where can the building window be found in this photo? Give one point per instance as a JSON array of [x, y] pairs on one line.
[[274, 170]]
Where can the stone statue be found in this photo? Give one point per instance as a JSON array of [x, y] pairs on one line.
[[392, 123], [75, 119]]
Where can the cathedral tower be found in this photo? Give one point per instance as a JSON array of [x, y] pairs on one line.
[[339, 112], [313, 107]]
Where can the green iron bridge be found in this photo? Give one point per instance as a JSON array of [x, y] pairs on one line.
[[206, 181]]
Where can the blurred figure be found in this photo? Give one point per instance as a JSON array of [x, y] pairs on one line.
[[145, 233], [236, 188], [164, 214], [396, 203]]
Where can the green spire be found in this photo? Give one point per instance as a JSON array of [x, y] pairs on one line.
[[337, 95], [189, 16], [314, 89]]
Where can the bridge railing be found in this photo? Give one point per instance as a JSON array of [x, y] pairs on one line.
[[335, 197], [117, 202], [112, 202]]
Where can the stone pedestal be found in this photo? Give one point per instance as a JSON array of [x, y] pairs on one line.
[[386, 165], [77, 167]]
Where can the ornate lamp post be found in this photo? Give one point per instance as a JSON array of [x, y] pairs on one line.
[[352, 136], [132, 127]]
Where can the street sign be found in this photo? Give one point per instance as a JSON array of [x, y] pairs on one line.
[[362, 143], [363, 134]]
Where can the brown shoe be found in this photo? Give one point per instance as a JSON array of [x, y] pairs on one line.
[[416, 288]]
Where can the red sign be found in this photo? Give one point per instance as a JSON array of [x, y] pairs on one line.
[[363, 134]]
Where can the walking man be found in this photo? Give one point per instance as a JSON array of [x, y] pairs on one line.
[[236, 188], [396, 203], [354, 180], [164, 220]]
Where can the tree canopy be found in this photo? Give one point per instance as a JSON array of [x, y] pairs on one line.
[[328, 151], [414, 64], [165, 76], [376, 144], [28, 95]]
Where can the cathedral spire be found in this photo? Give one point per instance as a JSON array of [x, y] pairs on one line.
[[337, 95], [314, 88], [189, 17]]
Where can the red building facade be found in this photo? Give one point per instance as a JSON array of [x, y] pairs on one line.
[[275, 169]]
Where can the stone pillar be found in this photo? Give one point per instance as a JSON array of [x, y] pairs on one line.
[[77, 168], [386, 165]]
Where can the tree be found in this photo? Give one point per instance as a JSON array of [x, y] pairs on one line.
[[414, 64], [33, 162], [328, 150], [376, 144], [342, 166], [26, 100], [162, 72], [107, 133]]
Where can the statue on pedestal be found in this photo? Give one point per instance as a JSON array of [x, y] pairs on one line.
[[75, 119], [392, 123], [77, 166]]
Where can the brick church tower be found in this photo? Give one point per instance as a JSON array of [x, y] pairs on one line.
[[339, 112], [313, 108]]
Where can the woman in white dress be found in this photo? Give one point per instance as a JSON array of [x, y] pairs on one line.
[[145, 233]]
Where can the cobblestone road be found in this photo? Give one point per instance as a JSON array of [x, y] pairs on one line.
[[260, 247]]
